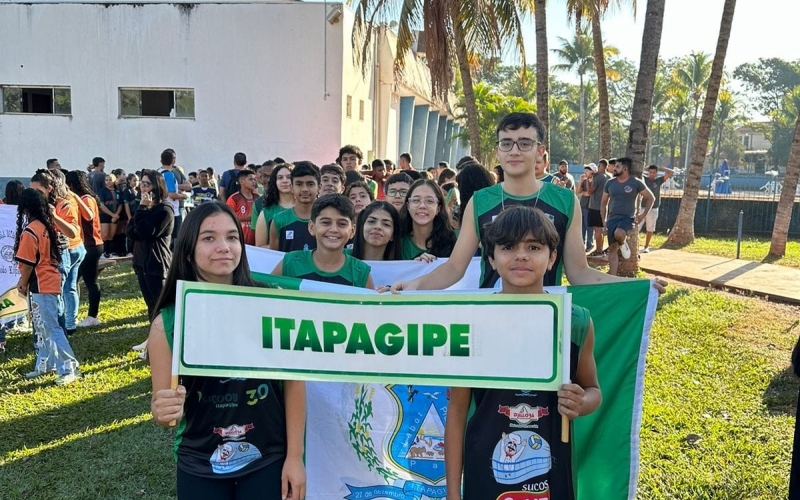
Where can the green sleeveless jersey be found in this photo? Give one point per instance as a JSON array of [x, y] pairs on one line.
[[556, 202], [269, 213], [293, 232], [299, 264]]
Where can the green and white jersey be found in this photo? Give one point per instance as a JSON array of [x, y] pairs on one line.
[[293, 232], [556, 202], [300, 264]]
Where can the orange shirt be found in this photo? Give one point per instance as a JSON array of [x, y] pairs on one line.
[[67, 209], [93, 224], [34, 251]]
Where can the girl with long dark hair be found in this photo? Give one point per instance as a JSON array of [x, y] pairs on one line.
[[37, 251], [472, 178], [279, 198], [150, 228], [13, 190], [210, 248], [426, 222], [377, 233], [78, 183]]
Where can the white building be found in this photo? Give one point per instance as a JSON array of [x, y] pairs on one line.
[[124, 81]]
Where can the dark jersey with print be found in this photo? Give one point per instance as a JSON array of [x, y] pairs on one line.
[[230, 427], [293, 232], [300, 264], [512, 446], [556, 202]]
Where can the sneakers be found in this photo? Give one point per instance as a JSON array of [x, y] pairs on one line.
[[646, 250], [625, 250], [68, 378], [140, 347], [35, 374], [89, 321]]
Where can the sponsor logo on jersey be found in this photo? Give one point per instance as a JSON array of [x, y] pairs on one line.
[[523, 413], [233, 431]]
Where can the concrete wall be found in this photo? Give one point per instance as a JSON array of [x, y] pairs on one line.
[[258, 71]]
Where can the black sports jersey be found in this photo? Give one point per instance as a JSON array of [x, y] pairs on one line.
[[556, 202], [512, 445], [230, 427], [293, 232]]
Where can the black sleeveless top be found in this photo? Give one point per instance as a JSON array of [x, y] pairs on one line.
[[512, 446], [230, 427]]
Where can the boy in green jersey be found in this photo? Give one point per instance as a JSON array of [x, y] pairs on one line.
[[332, 225], [520, 142], [289, 229]]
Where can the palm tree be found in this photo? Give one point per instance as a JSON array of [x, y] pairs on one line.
[[594, 10], [542, 67], [783, 215], [692, 76], [683, 231], [640, 116], [453, 30], [578, 57]]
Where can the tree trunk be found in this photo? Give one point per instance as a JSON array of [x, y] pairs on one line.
[[473, 124], [683, 231], [783, 215], [542, 69], [583, 121], [602, 88], [640, 116]]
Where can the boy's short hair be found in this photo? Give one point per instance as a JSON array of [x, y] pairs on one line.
[[516, 121], [304, 169], [240, 159], [398, 177], [167, 157], [603, 162], [626, 162], [244, 173], [352, 176], [377, 162], [414, 174], [351, 149], [334, 169], [97, 160], [515, 223], [406, 157], [464, 160], [337, 201], [192, 174], [359, 184]]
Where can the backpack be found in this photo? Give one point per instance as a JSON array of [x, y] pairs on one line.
[[233, 183]]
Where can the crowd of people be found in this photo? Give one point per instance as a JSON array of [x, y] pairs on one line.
[[330, 221]]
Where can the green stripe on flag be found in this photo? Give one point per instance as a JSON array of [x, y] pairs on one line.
[[606, 443]]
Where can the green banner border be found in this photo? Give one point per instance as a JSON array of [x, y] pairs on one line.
[[551, 383]]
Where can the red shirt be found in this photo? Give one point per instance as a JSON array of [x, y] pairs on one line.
[[243, 208]]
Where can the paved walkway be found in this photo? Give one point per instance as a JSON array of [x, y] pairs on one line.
[[778, 283]]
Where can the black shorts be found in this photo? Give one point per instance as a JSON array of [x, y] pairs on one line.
[[614, 223], [594, 219], [105, 219]]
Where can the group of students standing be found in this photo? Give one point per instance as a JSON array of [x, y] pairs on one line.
[[527, 233]]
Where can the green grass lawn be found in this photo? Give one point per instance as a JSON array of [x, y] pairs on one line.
[[713, 372], [755, 249]]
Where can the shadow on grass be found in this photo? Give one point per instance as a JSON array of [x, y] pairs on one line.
[[131, 461], [672, 295], [53, 424], [780, 396]]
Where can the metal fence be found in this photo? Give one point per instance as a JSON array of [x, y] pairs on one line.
[[722, 198]]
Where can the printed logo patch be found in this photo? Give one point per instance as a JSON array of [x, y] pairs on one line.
[[523, 413], [290, 235]]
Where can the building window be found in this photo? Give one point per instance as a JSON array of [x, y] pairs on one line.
[[348, 111], [156, 103], [361, 110], [36, 100]]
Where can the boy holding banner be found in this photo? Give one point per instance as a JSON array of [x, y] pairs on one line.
[[516, 434], [331, 224]]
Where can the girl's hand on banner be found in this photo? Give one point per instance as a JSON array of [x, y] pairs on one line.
[[426, 257], [570, 400], [167, 405], [400, 286], [293, 480]]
